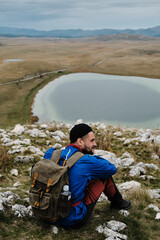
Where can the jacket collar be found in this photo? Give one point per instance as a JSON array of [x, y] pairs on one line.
[[75, 146]]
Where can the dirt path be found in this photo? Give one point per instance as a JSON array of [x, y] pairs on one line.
[[32, 77]]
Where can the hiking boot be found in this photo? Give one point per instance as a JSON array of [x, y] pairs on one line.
[[125, 205]]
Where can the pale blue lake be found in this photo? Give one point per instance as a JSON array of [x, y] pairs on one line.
[[116, 100]]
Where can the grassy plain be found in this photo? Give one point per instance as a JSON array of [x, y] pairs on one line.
[[138, 57]]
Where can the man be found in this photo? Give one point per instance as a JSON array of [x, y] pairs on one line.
[[88, 178]]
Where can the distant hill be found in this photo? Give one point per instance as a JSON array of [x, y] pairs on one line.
[[76, 33]]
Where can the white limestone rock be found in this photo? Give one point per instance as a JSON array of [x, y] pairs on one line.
[[129, 186], [155, 156], [154, 207], [144, 177], [54, 230], [44, 126], [16, 184], [24, 159], [79, 121], [102, 198], [154, 193], [20, 210], [111, 234], [118, 134], [124, 212], [127, 141], [157, 216], [116, 225], [126, 155], [136, 171], [57, 145], [127, 162], [59, 134], [14, 172], [36, 133], [18, 129], [7, 198], [57, 138], [151, 166]]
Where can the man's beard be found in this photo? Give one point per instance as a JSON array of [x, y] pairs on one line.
[[85, 151]]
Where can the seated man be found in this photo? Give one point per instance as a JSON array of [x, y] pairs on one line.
[[88, 178]]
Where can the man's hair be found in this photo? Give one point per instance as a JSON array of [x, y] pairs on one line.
[[79, 131]]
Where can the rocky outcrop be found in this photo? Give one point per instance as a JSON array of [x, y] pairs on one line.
[[26, 144]]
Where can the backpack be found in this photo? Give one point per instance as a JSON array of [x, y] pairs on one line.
[[47, 181]]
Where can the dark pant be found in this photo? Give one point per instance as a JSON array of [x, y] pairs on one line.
[[93, 191]]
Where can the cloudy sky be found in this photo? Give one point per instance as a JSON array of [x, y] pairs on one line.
[[84, 14]]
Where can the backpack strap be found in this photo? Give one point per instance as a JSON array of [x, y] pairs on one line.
[[56, 155], [74, 158], [70, 162]]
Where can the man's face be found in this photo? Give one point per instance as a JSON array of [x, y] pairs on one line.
[[88, 143]]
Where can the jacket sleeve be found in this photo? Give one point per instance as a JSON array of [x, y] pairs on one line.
[[97, 167], [48, 153]]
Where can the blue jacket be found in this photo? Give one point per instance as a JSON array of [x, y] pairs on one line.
[[86, 168]]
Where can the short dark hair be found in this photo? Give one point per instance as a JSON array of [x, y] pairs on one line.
[[79, 131]]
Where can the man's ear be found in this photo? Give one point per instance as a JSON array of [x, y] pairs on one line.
[[79, 142]]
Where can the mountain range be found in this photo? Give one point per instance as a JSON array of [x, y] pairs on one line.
[[76, 33]]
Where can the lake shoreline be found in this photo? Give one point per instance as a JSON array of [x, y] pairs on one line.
[[75, 74]]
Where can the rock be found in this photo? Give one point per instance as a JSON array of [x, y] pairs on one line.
[[116, 225], [14, 172], [19, 129], [110, 233], [155, 156], [57, 145], [57, 138], [118, 134], [151, 166], [124, 213], [44, 126], [126, 155], [102, 198], [129, 186], [154, 207], [21, 142], [79, 121], [17, 184], [20, 210], [136, 171], [111, 157], [24, 159], [154, 193], [127, 141], [101, 126], [144, 177], [7, 198], [54, 230], [36, 133], [127, 162], [60, 134], [157, 216]]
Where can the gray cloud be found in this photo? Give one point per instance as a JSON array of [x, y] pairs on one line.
[[86, 14]]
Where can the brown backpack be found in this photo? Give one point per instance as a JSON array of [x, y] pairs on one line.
[[47, 181]]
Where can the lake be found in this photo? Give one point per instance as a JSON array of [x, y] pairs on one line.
[[116, 100], [13, 60]]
